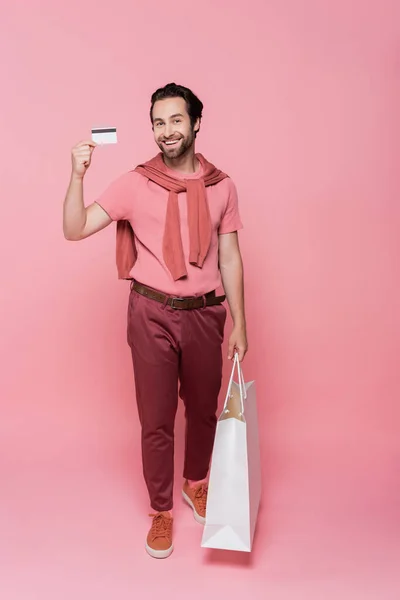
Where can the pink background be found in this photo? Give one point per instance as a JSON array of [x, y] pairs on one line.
[[302, 109]]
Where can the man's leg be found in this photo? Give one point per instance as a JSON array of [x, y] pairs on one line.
[[151, 336], [201, 375]]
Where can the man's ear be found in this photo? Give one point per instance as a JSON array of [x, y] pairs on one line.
[[196, 127]]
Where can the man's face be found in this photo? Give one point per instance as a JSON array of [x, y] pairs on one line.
[[172, 128]]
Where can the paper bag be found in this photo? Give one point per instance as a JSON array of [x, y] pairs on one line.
[[234, 490]]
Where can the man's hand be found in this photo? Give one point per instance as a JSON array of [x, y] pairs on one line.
[[82, 157], [238, 342]]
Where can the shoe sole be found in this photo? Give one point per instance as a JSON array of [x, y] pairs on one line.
[[159, 553], [196, 515]]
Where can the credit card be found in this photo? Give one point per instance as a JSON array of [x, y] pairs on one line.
[[104, 135]]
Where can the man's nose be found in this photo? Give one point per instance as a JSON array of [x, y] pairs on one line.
[[168, 130]]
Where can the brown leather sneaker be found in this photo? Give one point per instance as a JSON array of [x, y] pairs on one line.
[[159, 540], [196, 497]]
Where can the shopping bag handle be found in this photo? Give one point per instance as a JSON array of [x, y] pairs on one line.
[[242, 386], [241, 378]]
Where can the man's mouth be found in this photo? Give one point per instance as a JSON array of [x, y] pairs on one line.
[[171, 142]]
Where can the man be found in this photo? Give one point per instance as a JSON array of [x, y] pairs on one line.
[[177, 221]]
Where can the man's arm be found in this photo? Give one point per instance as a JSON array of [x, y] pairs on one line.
[[231, 267], [80, 222]]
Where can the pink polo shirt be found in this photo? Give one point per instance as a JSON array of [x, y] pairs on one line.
[[144, 203]]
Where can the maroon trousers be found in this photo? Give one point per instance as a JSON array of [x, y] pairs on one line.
[[175, 352]]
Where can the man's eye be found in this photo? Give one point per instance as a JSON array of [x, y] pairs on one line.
[[177, 120], [158, 124]]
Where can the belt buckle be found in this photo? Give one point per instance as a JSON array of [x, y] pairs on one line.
[[176, 299]]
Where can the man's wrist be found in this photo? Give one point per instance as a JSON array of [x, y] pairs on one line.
[[75, 178], [239, 322]]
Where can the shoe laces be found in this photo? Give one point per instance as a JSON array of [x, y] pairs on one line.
[[201, 495], [161, 526]]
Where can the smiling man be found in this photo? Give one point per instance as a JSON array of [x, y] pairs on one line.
[[177, 221]]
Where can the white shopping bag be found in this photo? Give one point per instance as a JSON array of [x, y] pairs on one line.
[[234, 490]]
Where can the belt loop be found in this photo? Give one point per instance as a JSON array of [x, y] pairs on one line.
[[164, 304], [204, 301]]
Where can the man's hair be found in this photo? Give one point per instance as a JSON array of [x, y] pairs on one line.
[[172, 90]]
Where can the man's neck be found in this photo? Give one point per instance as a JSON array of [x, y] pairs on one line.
[[187, 163]]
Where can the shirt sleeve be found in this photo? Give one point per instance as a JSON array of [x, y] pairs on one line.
[[117, 198], [231, 220]]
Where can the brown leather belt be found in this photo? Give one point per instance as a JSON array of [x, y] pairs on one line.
[[177, 303]]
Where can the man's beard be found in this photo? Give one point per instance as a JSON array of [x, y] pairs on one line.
[[184, 146]]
